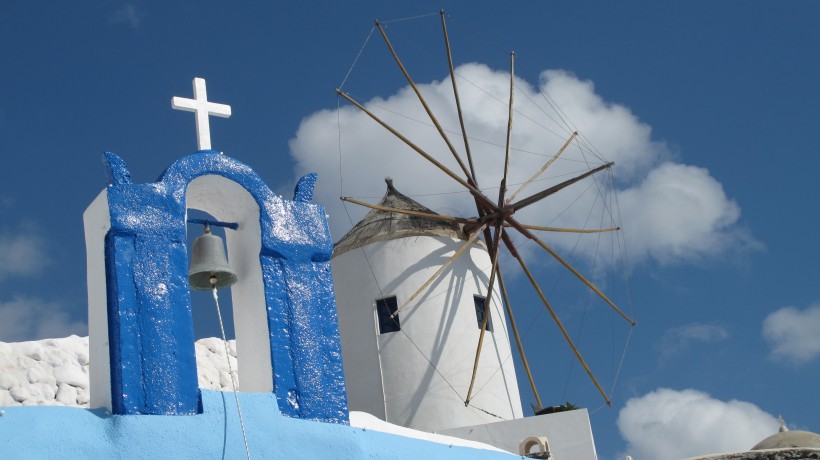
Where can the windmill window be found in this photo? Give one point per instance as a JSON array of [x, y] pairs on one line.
[[385, 309], [480, 309]]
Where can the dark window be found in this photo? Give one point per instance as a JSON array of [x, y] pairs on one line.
[[480, 309], [385, 308]]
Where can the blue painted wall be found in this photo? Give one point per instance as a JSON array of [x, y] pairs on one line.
[[153, 365], [33, 433]]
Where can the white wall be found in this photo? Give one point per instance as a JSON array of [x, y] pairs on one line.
[[569, 434], [391, 375], [97, 222]]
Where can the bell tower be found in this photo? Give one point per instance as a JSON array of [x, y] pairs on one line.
[[140, 326]]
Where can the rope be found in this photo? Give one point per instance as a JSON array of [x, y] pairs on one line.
[[540, 108], [568, 125], [564, 119], [230, 369], [433, 58], [478, 35], [409, 18], [364, 45], [339, 133], [588, 300], [561, 115], [621, 364], [487, 412], [484, 141]]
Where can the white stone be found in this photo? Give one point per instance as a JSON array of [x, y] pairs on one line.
[[25, 381], [82, 398], [54, 359], [34, 351], [46, 392], [19, 394], [71, 375], [6, 380], [67, 394], [82, 358], [33, 376]]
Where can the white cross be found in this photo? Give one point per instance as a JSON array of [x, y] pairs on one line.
[[203, 109]]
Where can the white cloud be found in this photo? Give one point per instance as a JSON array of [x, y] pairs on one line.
[[28, 318], [671, 211], [793, 333], [678, 339], [129, 15], [681, 212], [670, 424], [23, 251]]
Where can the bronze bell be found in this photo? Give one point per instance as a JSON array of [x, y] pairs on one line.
[[209, 266]]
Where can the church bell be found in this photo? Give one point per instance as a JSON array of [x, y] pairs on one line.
[[209, 266]]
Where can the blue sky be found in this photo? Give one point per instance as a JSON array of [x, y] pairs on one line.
[[726, 298]]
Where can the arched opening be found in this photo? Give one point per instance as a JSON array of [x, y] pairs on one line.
[[215, 359], [202, 304], [225, 200]]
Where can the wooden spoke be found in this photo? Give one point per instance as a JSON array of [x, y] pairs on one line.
[[544, 168], [491, 214], [571, 230], [559, 324], [499, 229], [508, 307], [503, 189], [479, 196], [423, 102], [524, 231], [474, 236], [458, 100], [554, 189], [409, 212]]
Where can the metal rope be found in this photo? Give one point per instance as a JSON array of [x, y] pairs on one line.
[[483, 141], [349, 71], [230, 369], [410, 18], [339, 134]]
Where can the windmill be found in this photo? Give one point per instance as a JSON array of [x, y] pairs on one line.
[[493, 225]]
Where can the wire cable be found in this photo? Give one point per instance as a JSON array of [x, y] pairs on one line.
[[358, 55], [230, 368]]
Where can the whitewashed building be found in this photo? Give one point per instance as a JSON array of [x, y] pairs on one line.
[[413, 368]]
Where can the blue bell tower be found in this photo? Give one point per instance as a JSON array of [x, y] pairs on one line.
[[140, 323]]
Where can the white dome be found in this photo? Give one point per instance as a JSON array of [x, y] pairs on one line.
[[786, 439]]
